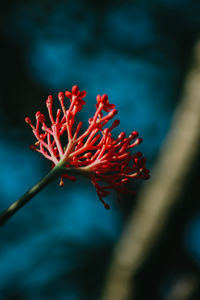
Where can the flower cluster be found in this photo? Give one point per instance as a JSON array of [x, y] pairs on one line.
[[106, 160]]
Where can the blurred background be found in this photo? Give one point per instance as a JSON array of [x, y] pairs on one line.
[[60, 245]]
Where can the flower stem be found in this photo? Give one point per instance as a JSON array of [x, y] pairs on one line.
[[15, 206]]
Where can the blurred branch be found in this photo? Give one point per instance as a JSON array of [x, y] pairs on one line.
[[185, 287], [160, 194]]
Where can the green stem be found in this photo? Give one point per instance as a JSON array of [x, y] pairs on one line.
[[13, 208]]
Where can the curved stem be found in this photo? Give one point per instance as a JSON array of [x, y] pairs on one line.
[[13, 208]]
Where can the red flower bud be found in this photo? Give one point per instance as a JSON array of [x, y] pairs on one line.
[[94, 152], [28, 120], [61, 96], [75, 90]]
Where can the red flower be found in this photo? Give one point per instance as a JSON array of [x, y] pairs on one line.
[[107, 161]]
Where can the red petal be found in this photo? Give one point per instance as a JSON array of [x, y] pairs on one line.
[[98, 98], [75, 90], [68, 94], [80, 102], [82, 94], [104, 99], [61, 96]]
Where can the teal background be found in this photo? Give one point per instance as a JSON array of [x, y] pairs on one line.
[[138, 52]]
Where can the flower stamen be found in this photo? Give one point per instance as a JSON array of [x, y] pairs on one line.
[[95, 153]]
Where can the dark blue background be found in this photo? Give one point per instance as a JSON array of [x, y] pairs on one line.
[[138, 52]]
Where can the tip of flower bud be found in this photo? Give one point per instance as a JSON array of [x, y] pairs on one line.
[[28, 120], [68, 94], [40, 117], [137, 155], [61, 96], [139, 140], [75, 90], [104, 99], [106, 205], [122, 135], [32, 147], [134, 134], [98, 98], [114, 112], [115, 123], [82, 94], [37, 115], [49, 100], [106, 131]]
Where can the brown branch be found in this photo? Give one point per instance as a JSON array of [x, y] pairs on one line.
[[160, 194]]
